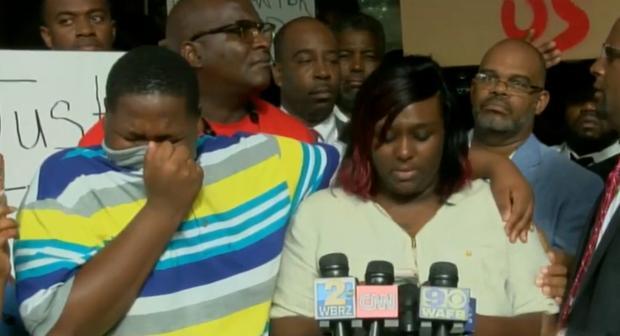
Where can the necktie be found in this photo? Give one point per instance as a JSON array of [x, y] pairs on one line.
[[583, 161], [611, 188]]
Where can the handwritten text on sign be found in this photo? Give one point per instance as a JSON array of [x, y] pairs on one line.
[[47, 101], [277, 12]]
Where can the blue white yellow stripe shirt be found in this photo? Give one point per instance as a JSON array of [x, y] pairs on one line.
[[217, 274]]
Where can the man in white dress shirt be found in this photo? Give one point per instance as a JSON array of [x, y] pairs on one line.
[[307, 71]]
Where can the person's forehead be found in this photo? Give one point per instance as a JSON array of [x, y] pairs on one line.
[[510, 62], [358, 37], [309, 35], [163, 112], [353, 33], [426, 111], [149, 103], [53, 7], [614, 35]]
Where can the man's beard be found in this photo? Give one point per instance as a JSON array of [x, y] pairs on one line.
[[489, 122]]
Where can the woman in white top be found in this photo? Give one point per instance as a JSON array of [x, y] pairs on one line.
[[405, 196]]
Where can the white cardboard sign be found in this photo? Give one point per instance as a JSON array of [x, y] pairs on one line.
[[48, 99]]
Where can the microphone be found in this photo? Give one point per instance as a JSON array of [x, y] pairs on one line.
[[408, 302], [470, 324], [442, 302], [377, 299], [334, 294]]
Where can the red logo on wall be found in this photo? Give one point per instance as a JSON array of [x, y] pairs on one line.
[[575, 17]]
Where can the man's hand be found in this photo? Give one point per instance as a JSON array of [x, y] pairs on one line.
[[553, 278], [3, 200], [8, 230], [549, 50], [172, 177]]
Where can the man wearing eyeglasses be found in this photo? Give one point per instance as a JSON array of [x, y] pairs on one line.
[[507, 93], [229, 48], [592, 307]]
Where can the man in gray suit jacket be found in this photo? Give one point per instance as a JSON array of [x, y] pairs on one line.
[[507, 93]]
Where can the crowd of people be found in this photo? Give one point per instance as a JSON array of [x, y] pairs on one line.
[[195, 207]]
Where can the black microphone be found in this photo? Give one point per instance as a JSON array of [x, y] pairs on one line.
[[378, 273], [336, 265], [443, 274], [408, 302]]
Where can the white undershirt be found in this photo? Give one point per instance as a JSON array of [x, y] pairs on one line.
[[327, 131]]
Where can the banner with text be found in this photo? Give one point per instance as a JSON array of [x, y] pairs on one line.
[[277, 12], [48, 100], [458, 32]]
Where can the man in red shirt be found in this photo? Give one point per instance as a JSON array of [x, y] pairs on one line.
[[228, 46]]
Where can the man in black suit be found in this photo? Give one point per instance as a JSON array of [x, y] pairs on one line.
[[590, 139], [592, 305]]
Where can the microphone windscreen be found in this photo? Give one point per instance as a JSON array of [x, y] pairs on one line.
[[443, 274], [334, 265], [379, 272]]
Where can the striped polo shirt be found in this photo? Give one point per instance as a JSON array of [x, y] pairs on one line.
[[217, 274]]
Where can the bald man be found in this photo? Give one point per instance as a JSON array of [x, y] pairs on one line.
[[229, 48], [507, 93], [307, 71]]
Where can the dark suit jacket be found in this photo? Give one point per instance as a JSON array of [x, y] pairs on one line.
[[596, 311], [604, 167]]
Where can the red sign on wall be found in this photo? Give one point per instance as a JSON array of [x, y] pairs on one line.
[[458, 32], [577, 20]]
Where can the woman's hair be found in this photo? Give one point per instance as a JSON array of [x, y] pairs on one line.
[[388, 90]]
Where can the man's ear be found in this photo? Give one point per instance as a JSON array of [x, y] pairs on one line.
[[45, 36], [113, 23], [190, 53], [202, 126], [471, 90], [106, 104], [276, 71], [106, 113], [542, 102]]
